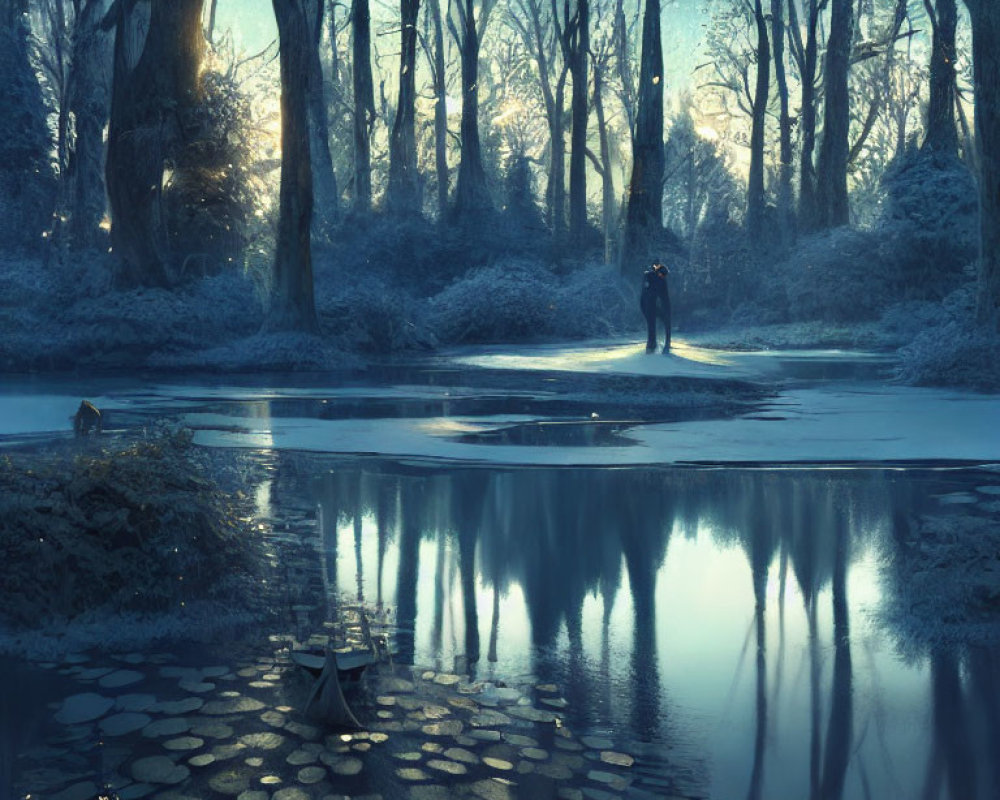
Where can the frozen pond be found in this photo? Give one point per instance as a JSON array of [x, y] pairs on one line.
[[587, 589]]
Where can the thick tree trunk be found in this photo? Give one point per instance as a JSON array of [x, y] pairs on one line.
[[578, 138], [149, 106], [404, 187], [785, 221], [807, 170], [326, 209], [942, 133], [986, 70], [472, 197], [88, 102], [440, 111], [364, 106], [755, 182], [831, 171], [645, 191], [292, 304]]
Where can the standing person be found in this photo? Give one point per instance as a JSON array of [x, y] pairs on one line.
[[655, 302]]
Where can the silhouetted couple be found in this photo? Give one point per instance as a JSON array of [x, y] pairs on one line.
[[655, 303]]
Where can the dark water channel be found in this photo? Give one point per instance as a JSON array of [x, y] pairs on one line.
[[738, 633]]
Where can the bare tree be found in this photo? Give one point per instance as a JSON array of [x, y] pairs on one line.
[[292, 304], [539, 32]]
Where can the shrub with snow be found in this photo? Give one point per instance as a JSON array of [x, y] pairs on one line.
[[953, 350]]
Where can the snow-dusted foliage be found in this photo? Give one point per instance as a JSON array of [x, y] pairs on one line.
[[952, 350], [513, 300], [929, 230]]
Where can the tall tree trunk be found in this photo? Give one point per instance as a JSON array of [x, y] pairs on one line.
[[292, 304], [645, 191], [440, 111], [326, 209], [942, 133], [608, 210], [809, 61], [578, 138], [88, 102], [472, 197], [404, 189], [986, 70], [831, 170], [556, 189], [755, 183], [364, 106], [785, 222], [149, 105]]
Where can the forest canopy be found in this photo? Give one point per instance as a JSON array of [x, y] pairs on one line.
[[382, 177]]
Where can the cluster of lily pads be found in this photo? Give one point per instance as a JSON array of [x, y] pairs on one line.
[[147, 726]]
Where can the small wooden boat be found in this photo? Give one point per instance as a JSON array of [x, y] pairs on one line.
[[351, 664]]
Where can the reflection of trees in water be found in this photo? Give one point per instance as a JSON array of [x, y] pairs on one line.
[[564, 534]]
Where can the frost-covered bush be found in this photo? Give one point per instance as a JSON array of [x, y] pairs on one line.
[[373, 311], [262, 352], [506, 301], [836, 276], [953, 350], [929, 227], [594, 301]]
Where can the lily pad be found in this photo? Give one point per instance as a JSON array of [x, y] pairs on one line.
[[78, 791], [126, 722], [184, 743], [135, 702], [520, 741], [347, 766], [201, 760], [461, 754], [489, 719], [534, 753], [617, 759], [498, 763], [119, 678], [309, 775], [531, 714], [597, 742], [446, 679], [212, 730], [450, 767], [237, 705], [159, 769], [262, 741], [448, 727], [196, 686], [412, 774], [411, 755], [253, 794], [298, 758], [185, 706], [83, 708], [167, 727], [230, 782]]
